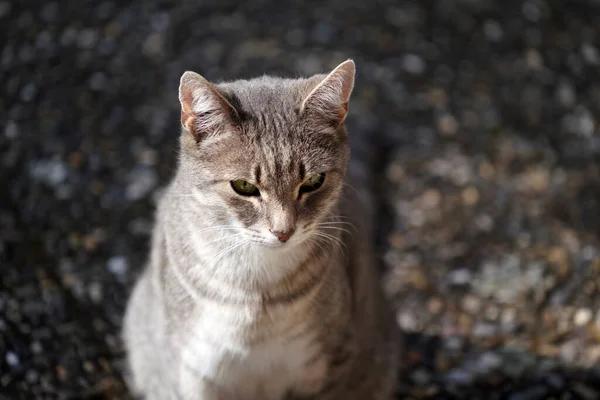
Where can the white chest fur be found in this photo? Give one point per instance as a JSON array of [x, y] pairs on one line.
[[284, 356]]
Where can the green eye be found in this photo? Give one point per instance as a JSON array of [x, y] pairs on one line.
[[312, 183], [244, 188]]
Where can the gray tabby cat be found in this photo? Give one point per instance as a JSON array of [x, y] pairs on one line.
[[262, 284]]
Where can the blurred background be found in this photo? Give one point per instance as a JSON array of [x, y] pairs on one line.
[[480, 121]]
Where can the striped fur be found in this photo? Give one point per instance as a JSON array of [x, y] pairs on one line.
[[224, 309]]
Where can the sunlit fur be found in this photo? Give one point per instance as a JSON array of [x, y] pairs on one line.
[[226, 310]]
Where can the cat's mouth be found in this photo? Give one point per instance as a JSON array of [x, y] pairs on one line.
[[275, 244]]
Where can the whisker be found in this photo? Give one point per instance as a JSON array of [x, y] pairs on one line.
[[338, 229], [339, 216], [332, 239], [228, 249], [214, 228], [336, 224], [312, 240], [235, 235]]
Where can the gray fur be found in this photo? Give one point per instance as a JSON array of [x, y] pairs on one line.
[[226, 311]]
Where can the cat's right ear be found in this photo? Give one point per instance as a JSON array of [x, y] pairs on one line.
[[204, 110]]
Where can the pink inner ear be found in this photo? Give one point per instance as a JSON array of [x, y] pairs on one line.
[[187, 114]]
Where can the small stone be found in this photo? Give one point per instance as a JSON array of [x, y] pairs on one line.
[[32, 376], [487, 171], [154, 45], [530, 11], [11, 130], [582, 317], [461, 276], [508, 316], [420, 376], [148, 157], [28, 92], [556, 381], [98, 81], [437, 97], [484, 222], [43, 40], [105, 10], [580, 122], [160, 21], [396, 240], [68, 36], [407, 321], [493, 31], [538, 179], [534, 59], [431, 198], [460, 175], [323, 33], [565, 94], [141, 182], [590, 54], [413, 64], [454, 343], [482, 329], [95, 292], [395, 173], [87, 38], [88, 366], [558, 255], [470, 196], [12, 359], [417, 218], [447, 125], [418, 279], [36, 347], [62, 373], [592, 355], [489, 361], [52, 172], [5, 7], [471, 304], [568, 351], [117, 265], [49, 13], [435, 305], [460, 377]]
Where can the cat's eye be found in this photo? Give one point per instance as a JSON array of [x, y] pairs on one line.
[[244, 188], [312, 183]]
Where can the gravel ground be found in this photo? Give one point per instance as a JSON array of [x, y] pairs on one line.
[[484, 116]]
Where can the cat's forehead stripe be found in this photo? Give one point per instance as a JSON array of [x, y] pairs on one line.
[[257, 173]]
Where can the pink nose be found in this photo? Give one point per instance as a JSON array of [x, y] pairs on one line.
[[283, 236]]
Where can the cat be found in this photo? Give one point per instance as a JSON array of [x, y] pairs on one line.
[[262, 282]]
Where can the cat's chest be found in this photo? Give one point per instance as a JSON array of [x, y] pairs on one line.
[[256, 356]]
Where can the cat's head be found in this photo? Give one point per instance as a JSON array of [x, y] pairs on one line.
[[267, 156]]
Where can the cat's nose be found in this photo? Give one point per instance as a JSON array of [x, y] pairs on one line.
[[283, 236]]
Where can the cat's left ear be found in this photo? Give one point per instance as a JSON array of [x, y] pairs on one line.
[[329, 99]]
